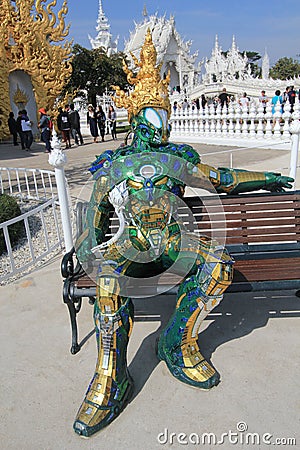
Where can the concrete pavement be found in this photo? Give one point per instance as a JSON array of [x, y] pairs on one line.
[[252, 339]]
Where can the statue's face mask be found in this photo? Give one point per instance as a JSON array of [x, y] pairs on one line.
[[151, 125]]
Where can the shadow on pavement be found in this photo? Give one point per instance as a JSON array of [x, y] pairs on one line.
[[233, 318]]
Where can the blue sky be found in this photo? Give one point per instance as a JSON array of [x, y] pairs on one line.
[[256, 24]]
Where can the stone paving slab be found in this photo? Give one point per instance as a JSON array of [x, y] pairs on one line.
[[252, 339]]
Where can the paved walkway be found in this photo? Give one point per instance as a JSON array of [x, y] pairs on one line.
[[252, 339]]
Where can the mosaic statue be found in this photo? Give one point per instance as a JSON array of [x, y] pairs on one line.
[[144, 180]]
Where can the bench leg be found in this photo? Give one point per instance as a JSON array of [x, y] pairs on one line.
[[197, 296], [111, 386]]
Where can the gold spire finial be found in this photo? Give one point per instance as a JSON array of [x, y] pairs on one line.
[[150, 89], [20, 97]]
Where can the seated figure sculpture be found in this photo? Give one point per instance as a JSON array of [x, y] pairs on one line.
[[143, 181]]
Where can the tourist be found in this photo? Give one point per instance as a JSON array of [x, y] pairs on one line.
[[26, 125], [63, 124], [263, 99], [45, 127], [292, 97], [285, 95], [92, 122], [101, 121], [223, 98], [277, 98], [244, 101], [203, 101], [185, 105], [13, 128], [74, 119], [19, 129], [112, 116]]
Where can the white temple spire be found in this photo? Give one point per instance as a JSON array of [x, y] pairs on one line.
[[145, 12], [216, 43], [104, 37], [100, 8], [265, 66], [233, 46]]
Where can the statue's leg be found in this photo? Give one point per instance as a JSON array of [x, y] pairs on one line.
[[197, 296], [111, 386]]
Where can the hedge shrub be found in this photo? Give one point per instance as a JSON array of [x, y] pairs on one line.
[[9, 209]]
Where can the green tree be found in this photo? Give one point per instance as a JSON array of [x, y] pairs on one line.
[[285, 68], [96, 72], [253, 58]]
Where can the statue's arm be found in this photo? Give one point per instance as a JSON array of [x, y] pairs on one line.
[[96, 221], [236, 181]]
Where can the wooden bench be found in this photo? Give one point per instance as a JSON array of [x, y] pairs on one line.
[[261, 232]]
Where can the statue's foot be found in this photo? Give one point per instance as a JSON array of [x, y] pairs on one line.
[[189, 366], [102, 404]]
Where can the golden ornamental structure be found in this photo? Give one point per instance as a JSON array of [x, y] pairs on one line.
[[149, 88], [32, 40]]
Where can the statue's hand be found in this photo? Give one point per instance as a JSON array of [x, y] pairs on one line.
[[83, 248], [275, 182]]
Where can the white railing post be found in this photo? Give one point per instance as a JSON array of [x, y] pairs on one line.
[[277, 116], [286, 117], [245, 119], [260, 117], [268, 117], [237, 116], [211, 120], [58, 159], [230, 118], [252, 117], [295, 131]]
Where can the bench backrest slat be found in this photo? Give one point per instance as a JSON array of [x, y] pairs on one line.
[[240, 219]]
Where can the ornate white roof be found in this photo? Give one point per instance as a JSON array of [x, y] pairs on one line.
[[166, 39]]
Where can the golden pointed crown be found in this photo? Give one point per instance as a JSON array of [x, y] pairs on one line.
[[150, 90]]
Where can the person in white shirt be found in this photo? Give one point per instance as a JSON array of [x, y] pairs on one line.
[[26, 125], [244, 101]]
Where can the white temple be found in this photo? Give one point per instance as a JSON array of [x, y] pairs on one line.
[[231, 70], [220, 68], [172, 51], [104, 37]]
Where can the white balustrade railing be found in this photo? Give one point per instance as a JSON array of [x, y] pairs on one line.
[[27, 184], [235, 125], [40, 221]]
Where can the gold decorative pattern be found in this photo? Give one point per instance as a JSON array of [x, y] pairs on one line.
[[150, 89], [30, 34]]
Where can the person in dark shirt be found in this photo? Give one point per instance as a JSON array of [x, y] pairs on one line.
[[63, 124], [224, 98], [13, 128], [19, 129], [292, 97], [74, 119], [44, 125], [101, 120]]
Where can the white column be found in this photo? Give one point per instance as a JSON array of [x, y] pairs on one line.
[[252, 117], [58, 159], [286, 117], [295, 131], [260, 117]]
